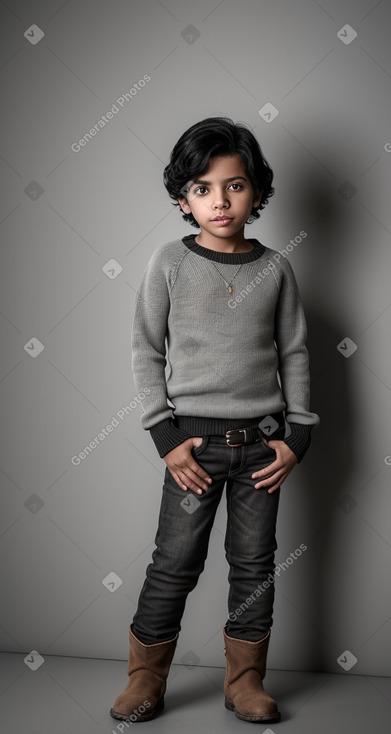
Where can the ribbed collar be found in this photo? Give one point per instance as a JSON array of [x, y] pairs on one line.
[[228, 258]]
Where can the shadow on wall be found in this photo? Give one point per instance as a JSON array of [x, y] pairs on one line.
[[329, 462]]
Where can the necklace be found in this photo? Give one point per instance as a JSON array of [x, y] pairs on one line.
[[229, 286]]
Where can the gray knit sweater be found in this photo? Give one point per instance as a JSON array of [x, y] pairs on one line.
[[224, 359]]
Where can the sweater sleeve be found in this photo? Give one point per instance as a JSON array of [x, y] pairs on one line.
[[148, 345], [290, 335], [299, 440]]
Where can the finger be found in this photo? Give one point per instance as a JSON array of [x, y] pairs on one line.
[[185, 482], [268, 470], [273, 489], [269, 481], [179, 482], [192, 481], [279, 484], [199, 471]]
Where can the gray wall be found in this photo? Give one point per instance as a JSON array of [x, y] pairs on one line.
[[66, 213]]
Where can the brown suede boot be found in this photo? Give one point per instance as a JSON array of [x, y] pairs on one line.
[[243, 689], [148, 668]]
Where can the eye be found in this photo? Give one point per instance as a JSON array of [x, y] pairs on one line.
[[198, 188], [237, 184]]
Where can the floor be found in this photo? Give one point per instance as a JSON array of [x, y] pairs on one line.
[[67, 695]]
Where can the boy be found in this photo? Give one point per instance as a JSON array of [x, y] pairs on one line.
[[236, 331]]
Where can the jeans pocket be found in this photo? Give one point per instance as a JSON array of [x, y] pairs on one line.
[[197, 450], [266, 451]]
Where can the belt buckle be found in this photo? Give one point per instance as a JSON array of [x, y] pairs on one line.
[[236, 430]]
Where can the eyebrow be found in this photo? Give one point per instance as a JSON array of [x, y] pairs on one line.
[[207, 183]]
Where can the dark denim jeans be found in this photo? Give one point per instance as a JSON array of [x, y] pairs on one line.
[[182, 539]]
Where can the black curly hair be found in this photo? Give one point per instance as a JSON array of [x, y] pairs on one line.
[[190, 159]]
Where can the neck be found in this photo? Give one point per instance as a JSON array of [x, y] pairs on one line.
[[235, 243]]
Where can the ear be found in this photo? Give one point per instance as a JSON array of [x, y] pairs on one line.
[[257, 197], [183, 203]]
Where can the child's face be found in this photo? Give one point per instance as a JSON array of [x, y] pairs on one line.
[[225, 190]]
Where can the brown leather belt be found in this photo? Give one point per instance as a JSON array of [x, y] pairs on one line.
[[240, 436]]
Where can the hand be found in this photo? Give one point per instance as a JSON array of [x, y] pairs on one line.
[[276, 473], [184, 468]]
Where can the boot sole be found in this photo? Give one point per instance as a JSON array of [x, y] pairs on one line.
[[147, 716], [270, 718]]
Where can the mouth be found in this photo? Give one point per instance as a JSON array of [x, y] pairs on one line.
[[222, 220]]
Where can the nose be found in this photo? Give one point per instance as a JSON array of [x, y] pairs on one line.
[[219, 199]]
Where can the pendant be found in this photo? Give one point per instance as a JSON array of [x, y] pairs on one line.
[[229, 289]]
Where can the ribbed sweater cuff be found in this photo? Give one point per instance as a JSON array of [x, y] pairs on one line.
[[299, 440], [166, 436]]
